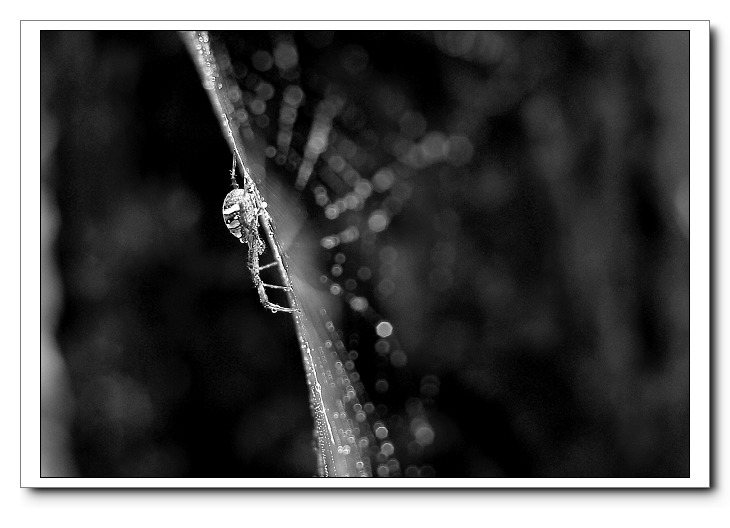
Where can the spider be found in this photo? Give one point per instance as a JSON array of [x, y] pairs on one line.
[[242, 208]]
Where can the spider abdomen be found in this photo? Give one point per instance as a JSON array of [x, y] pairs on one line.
[[239, 213]]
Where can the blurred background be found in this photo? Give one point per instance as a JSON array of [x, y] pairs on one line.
[[513, 204]]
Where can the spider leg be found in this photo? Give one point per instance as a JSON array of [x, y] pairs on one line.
[[253, 264], [269, 265], [275, 286]]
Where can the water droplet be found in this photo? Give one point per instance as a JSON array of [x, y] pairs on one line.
[[386, 287], [355, 59], [359, 304], [329, 242], [331, 212], [422, 432], [265, 91], [460, 150], [293, 95], [383, 179], [387, 449], [384, 329], [398, 358], [378, 221], [382, 347], [262, 60]]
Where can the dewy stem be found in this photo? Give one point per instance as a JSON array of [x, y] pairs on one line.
[[333, 400]]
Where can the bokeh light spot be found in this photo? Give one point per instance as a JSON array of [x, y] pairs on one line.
[[378, 221], [364, 273], [383, 180], [398, 358], [285, 56], [355, 59], [384, 329], [262, 60], [359, 304]]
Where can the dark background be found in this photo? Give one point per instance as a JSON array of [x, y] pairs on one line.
[[536, 275]]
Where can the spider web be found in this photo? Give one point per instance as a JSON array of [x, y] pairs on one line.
[[333, 182], [334, 158]]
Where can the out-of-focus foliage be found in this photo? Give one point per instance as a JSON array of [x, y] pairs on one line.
[[529, 247]]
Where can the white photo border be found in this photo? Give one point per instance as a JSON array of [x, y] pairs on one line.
[[700, 317]]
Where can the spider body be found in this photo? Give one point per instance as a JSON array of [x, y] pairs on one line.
[[242, 211]]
